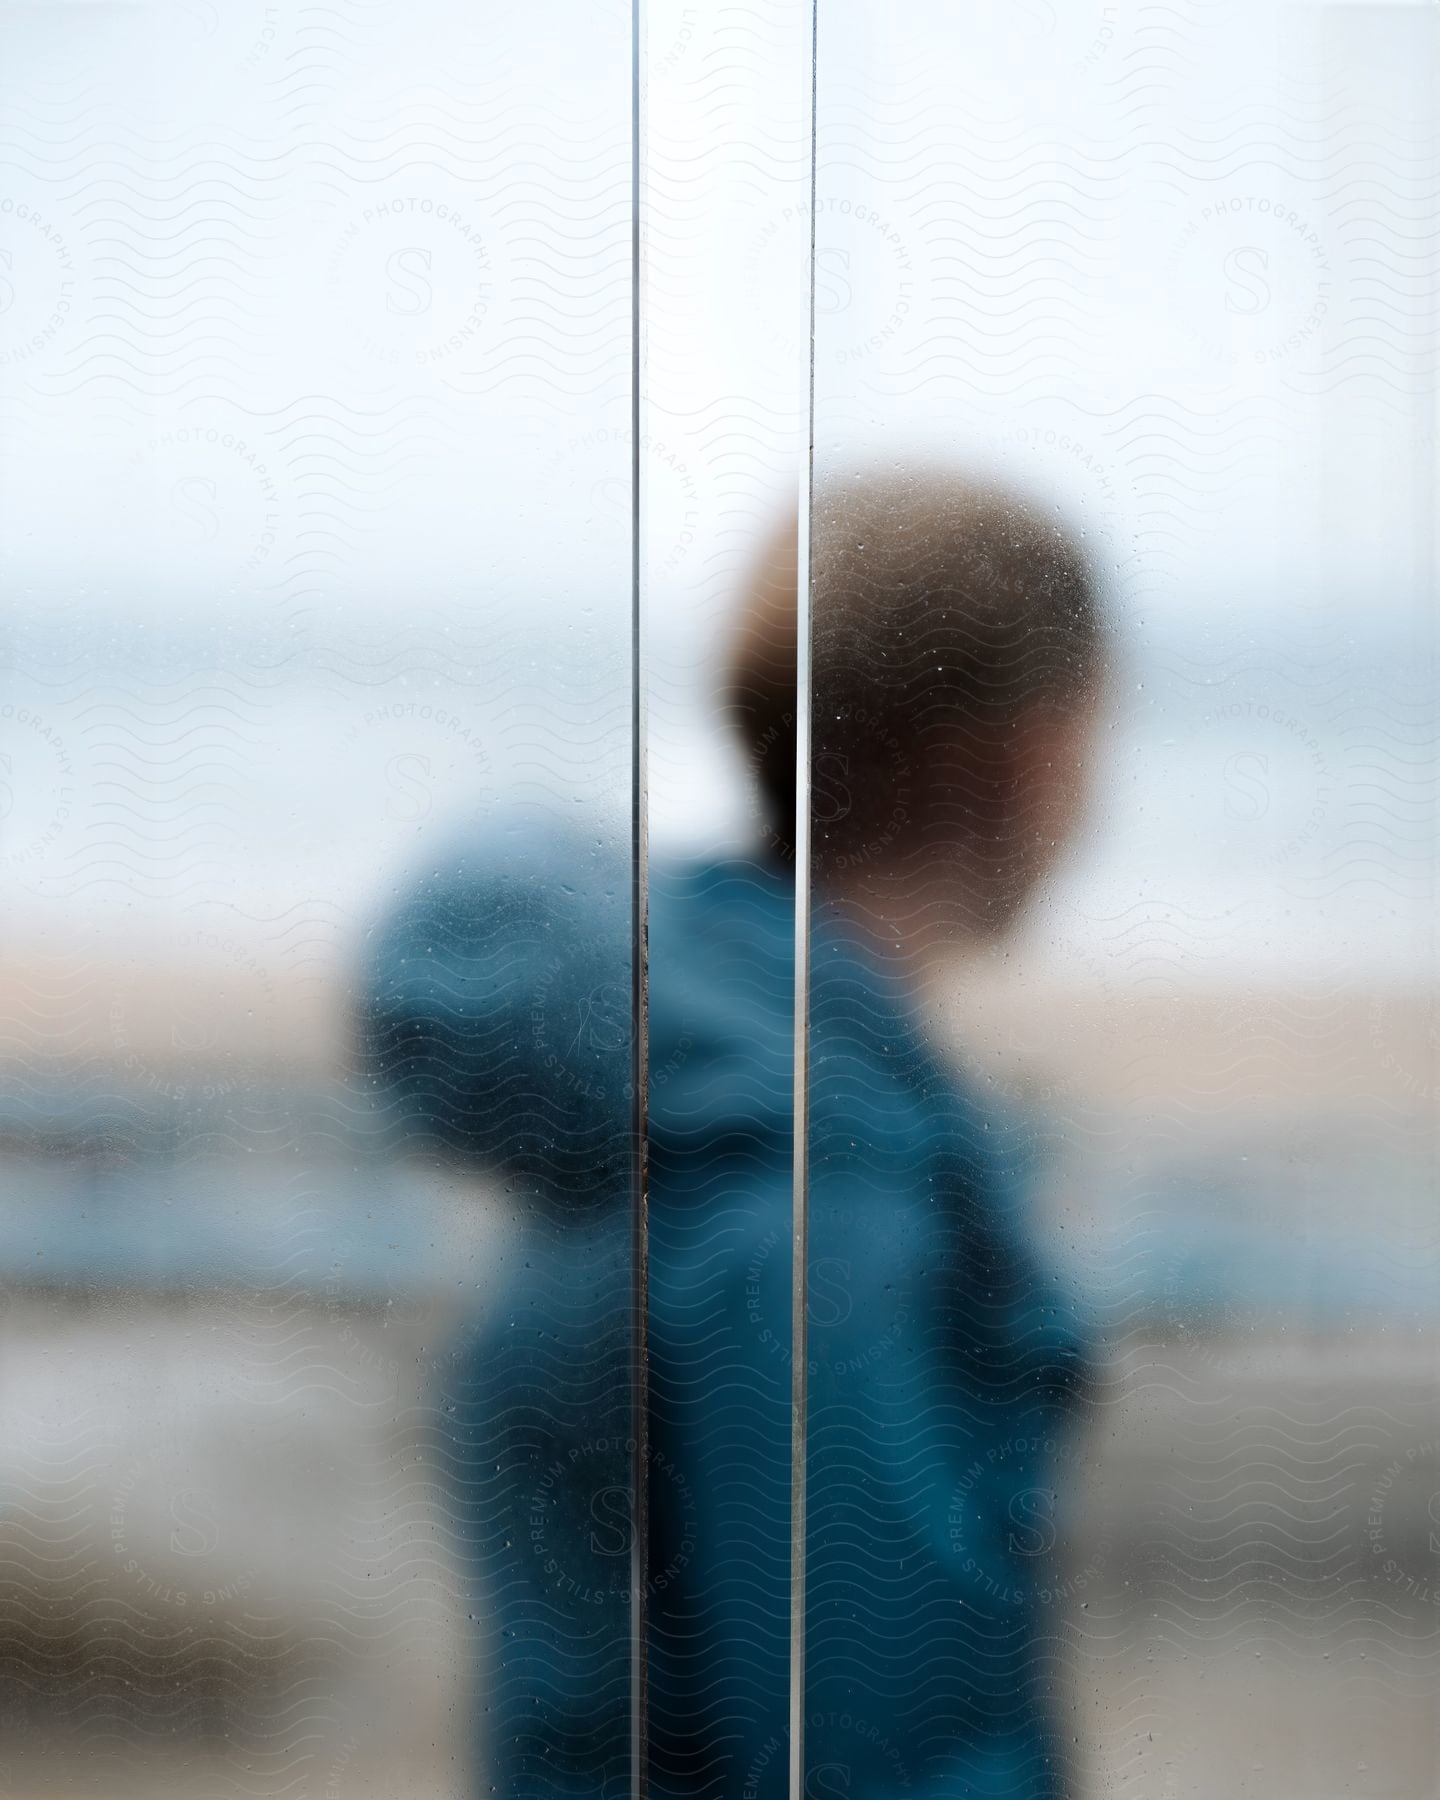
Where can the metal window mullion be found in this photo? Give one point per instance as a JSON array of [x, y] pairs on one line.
[[800, 1203], [639, 967]]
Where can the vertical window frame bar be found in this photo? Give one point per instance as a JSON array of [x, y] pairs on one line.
[[800, 1202], [639, 977]]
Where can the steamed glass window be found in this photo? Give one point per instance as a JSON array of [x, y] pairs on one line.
[[1125, 429], [315, 774], [717, 874]]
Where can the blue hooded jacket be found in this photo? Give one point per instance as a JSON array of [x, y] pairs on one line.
[[944, 1361]]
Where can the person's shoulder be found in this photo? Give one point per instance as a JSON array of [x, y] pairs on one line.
[[721, 975], [723, 895], [721, 942]]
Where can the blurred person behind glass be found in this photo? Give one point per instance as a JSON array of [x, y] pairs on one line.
[[956, 658]]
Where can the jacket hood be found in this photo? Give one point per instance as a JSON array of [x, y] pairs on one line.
[[495, 1023], [496, 1018]]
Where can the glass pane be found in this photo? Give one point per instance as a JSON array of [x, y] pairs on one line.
[[726, 170], [1122, 1263], [315, 756]]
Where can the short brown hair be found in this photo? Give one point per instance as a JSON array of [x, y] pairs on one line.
[[939, 601]]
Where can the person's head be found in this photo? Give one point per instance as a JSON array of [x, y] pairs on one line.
[[957, 652]]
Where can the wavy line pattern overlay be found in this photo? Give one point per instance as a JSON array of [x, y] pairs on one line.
[[1171, 271], [316, 447], [315, 330]]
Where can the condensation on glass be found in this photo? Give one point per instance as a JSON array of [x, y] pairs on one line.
[[1139, 1453], [315, 755]]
